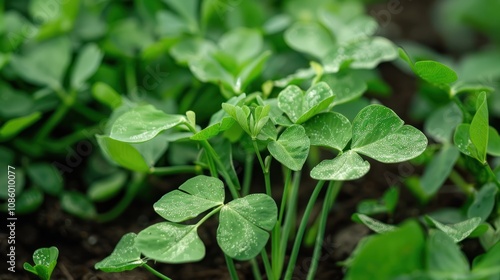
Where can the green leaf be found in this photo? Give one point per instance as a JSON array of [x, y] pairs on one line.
[[443, 256], [207, 69], [106, 95], [483, 203], [435, 72], [14, 126], [479, 127], [310, 38], [488, 264], [291, 148], [379, 133], [441, 124], [493, 142], [191, 49], [462, 141], [458, 231], [143, 123], [347, 166], [29, 201], [439, 168], [380, 257], [241, 43], [45, 261], [122, 153], [329, 129], [373, 224], [362, 54], [78, 204], [194, 197], [86, 64], [244, 224], [124, 257], [346, 86], [105, 188], [47, 177], [170, 243], [45, 63], [300, 106]]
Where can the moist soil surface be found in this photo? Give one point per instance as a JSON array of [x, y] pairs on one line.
[[82, 243]]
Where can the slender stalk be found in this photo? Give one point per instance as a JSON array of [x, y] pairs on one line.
[[265, 170], [257, 275], [155, 272], [130, 78], [331, 195], [267, 265], [247, 176], [89, 113], [132, 190], [287, 226], [207, 216], [231, 267], [55, 118], [455, 177], [301, 230], [492, 174], [170, 170]]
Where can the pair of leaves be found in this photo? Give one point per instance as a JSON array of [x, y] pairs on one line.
[[45, 261], [377, 132], [242, 231], [472, 139]]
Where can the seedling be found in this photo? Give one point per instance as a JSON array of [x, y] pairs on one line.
[[45, 261]]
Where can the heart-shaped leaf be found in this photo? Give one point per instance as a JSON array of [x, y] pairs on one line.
[[360, 54], [244, 224], [124, 257], [143, 123], [171, 243], [300, 107], [45, 261], [347, 166], [329, 129], [458, 231], [435, 72], [373, 224], [197, 195], [346, 86], [291, 148], [379, 133]]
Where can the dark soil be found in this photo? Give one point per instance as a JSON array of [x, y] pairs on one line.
[[82, 243]]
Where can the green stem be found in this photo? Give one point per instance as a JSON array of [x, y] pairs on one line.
[[231, 267], [132, 190], [56, 117], [248, 173], [455, 177], [492, 174], [210, 214], [89, 113], [267, 264], [257, 275], [155, 272], [289, 223], [265, 170], [170, 170], [301, 230], [130, 78], [331, 195]]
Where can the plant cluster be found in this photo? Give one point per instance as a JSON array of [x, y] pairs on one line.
[[279, 89]]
